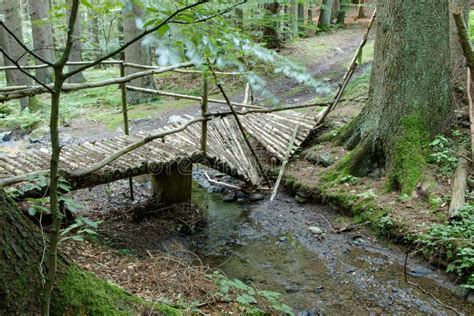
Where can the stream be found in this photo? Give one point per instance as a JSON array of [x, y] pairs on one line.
[[270, 245]]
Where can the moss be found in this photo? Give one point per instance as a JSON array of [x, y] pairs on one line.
[[81, 293], [408, 160]]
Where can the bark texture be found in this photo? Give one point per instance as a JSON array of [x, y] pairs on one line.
[[76, 51], [326, 14], [21, 249], [42, 36], [136, 53], [12, 19], [410, 95]]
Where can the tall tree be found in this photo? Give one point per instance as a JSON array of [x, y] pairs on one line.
[[301, 17], [12, 19], [76, 51], [270, 30], [42, 36], [360, 10], [410, 95], [326, 14], [136, 53]]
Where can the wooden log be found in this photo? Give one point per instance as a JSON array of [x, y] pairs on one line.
[[204, 108], [459, 187], [187, 97]]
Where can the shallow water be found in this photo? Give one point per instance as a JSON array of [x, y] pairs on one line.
[[270, 245]]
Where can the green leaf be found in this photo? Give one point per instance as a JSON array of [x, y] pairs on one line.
[[87, 4]]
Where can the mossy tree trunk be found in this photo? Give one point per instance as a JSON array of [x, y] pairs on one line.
[[270, 31], [326, 14], [76, 292], [410, 95], [21, 252]]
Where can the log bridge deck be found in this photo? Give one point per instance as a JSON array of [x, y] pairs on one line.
[[226, 151]]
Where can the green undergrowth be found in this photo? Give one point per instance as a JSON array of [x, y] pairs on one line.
[[81, 293], [453, 241]]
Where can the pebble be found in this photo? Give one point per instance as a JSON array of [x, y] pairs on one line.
[[316, 230]]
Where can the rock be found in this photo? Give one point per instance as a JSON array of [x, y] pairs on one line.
[[230, 197], [176, 119], [256, 197], [283, 239], [65, 138], [419, 272], [38, 134], [316, 230], [6, 136], [326, 160], [300, 199]]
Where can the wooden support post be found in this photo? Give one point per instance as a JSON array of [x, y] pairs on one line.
[[123, 89], [204, 107], [285, 162], [173, 184]]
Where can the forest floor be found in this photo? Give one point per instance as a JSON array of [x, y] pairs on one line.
[[155, 256]]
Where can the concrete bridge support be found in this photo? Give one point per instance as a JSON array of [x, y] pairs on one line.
[[173, 184]]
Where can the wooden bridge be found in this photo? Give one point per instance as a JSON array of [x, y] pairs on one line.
[[169, 159]]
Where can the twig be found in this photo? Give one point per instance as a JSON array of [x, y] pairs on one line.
[[24, 71], [221, 183], [285, 162], [422, 289], [32, 53], [211, 16], [327, 221]]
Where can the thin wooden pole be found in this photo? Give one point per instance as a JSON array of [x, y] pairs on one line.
[[285, 162], [123, 89], [204, 107], [349, 72]]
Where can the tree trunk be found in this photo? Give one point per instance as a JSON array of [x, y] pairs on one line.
[[10, 11], [136, 53], [325, 14], [301, 20], [21, 251], [341, 15], [270, 31], [94, 29], [76, 292], [410, 96], [360, 10], [76, 52], [42, 37], [458, 65], [239, 17]]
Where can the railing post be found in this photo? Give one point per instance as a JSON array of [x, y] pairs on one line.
[[123, 89], [204, 106]]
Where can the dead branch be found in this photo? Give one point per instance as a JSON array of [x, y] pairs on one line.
[[31, 52], [221, 183], [459, 188], [188, 97], [349, 72], [422, 289], [24, 91], [17, 66], [471, 113], [464, 39]]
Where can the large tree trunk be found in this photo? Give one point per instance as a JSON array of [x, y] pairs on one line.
[[360, 10], [21, 252], [42, 36], [326, 14], [76, 52], [410, 95], [301, 18], [76, 292], [137, 54], [12, 19], [270, 31]]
